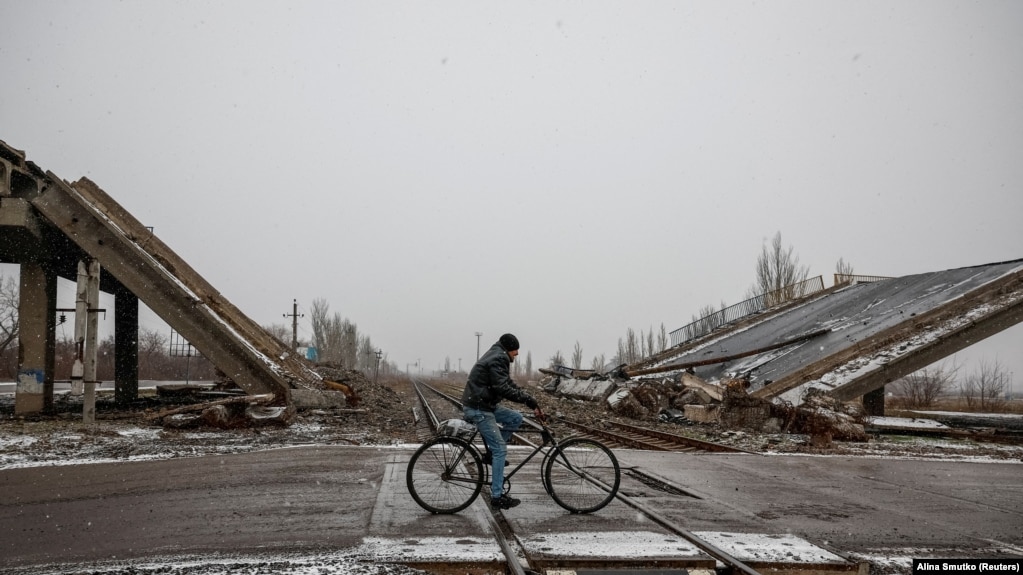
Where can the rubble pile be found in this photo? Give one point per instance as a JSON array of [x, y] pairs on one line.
[[344, 392], [365, 393], [824, 418], [684, 399]]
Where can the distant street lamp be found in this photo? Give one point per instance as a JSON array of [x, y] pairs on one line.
[[478, 334]]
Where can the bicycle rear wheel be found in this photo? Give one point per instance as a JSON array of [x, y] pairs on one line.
[[582, 475], [445, 475]]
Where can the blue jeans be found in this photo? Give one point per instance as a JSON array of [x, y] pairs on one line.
[[496, 427]]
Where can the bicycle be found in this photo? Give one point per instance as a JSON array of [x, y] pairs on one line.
[[446, 474]]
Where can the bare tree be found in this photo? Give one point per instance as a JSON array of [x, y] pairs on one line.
[[577, 356], [529, 364], [279, 331], [662, 339], [366, 358], [706, 319], [557, 359], [843, 268], [921, 388], [778, 269], [153, 354], [631, 346], [335, 338], [349, 342], [985, 389], [8, 324], [325, 339]]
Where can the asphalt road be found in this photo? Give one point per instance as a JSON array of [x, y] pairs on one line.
[[316, 498]]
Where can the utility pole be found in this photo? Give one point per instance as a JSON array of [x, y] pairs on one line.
[[83, 372], [294, 315], [478, 334]]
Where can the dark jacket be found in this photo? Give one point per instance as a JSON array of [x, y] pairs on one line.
[[489, 382]]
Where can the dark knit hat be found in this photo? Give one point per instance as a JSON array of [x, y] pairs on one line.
[[509, 342]]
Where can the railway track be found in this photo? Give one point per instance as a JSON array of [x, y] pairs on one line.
[[614, 433], [619, 434], [445, 405]]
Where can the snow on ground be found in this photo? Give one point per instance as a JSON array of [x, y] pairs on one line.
[[67, 441], [28, 442], [1009, 416], [906, 422], [339, 563]]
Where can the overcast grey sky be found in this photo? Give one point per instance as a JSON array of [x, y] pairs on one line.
[[563, 171]]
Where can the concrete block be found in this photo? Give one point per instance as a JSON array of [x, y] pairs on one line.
[[701, 413], [315, 399], [586, 389]]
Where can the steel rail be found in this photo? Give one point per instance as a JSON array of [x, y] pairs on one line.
[[705, 546], [616, 437], [700, 444], [511, 557], [517, 436], [430, 415], [640, 438]]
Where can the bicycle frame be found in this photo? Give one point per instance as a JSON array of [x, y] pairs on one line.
[[549, 442], [456, 461]]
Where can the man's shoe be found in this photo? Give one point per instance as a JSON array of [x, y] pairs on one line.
[[504, 502], [488, 458]]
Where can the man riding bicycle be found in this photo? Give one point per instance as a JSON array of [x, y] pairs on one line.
[[489, 382]]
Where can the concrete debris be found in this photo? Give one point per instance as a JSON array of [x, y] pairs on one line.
[[231, 413], [318, 399], [685, 399], [338, 392], [347, 381], [702, 413], [340, 389], [673, 416]]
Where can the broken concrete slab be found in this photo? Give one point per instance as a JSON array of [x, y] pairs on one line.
[[586, 389], [702, 413], [711, 390], [318, 399]]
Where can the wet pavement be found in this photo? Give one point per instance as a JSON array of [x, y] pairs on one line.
[[354, 499]]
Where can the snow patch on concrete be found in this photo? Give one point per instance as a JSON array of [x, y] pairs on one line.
[[611, 544], [762, 547], [906, 423], [430, 549]]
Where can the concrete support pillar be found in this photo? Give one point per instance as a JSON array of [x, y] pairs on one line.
[[91, 344], [873, 402], [37, 311], [126, 346]]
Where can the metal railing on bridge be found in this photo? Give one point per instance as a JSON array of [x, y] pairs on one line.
[[844, 279], [757, 304]]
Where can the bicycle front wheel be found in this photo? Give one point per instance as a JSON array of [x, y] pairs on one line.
[[582, 475], [445, 475]]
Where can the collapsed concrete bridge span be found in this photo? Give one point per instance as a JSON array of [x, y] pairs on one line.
[[47, 225], [864, 335]]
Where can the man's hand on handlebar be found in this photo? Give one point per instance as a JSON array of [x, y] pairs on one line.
[[539, 415]]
